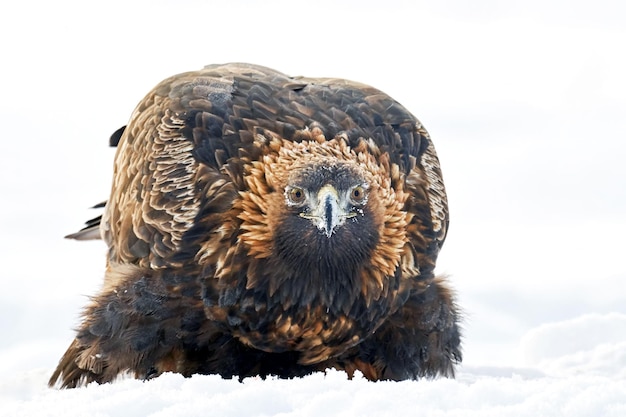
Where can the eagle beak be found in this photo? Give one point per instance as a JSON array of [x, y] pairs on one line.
[[328, 204], [328, 214]]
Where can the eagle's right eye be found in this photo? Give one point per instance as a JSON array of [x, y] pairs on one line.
[[296, 195]]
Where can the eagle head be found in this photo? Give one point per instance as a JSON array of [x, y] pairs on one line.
[[326, 212], [327, 207]]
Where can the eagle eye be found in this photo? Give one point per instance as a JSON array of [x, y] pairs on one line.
[[357, 194], [296, 195]]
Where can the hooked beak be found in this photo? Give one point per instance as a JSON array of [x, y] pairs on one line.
[[328, 214]]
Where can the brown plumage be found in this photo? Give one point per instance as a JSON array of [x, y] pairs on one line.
[[260, 224]]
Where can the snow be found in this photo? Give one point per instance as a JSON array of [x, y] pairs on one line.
[[591, 344], [471, 394], [525, 102]]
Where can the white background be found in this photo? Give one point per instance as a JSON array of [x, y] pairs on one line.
[[526, 104]]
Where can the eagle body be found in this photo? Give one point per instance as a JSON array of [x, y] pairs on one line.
[[261, 224]]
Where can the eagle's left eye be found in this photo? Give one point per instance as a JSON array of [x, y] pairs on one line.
[[357, 194]]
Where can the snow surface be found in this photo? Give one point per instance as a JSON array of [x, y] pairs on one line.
[[471, 394], [525, 102]]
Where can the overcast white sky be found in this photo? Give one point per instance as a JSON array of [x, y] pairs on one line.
[[525, 101]]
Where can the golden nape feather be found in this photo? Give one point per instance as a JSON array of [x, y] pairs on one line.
[[260, 224]]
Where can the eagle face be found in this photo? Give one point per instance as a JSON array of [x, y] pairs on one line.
[[327, 207], [328, 231], [333, 198]]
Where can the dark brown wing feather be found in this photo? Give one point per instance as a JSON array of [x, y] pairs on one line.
[[92, 226]]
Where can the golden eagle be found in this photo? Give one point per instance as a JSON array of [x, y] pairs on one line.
[[261, 224]]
